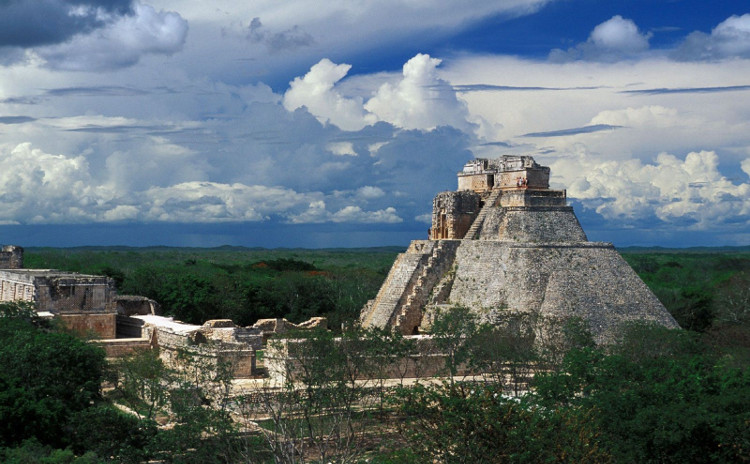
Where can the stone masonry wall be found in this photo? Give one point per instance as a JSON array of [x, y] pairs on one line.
[[283, 360], [11, 257], [15, 287], [98, 325], [530, 197], [476, 182], [453, 213], [539, 224], [588, 280], [75, 293]]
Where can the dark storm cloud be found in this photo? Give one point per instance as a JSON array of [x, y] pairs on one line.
[[573, 131], [496, 144], [290, 39], [156, 129], [87, 91], [96, 91], [730, 88], [30, 23], [15, 119]]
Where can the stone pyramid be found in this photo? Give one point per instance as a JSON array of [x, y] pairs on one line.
[[505, 244]]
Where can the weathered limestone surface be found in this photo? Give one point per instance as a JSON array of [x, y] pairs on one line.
[[589, 280], [100, 325], [524, 254], [82, 302], [398, 284], [185, 346], [453, 214], [537, 224], [284, 359], [11, 257]]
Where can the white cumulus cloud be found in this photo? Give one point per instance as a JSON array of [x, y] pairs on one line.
[[418, 100], [689, 191], [730, 38], [38, 187], [315, 91], [612, 40], [421, 100], [356, 214]]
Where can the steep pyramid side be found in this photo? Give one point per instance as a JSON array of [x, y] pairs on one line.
[[589, 280]]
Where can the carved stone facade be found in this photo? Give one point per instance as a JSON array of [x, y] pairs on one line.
[[83, 302], [453, 213], [503, 245]]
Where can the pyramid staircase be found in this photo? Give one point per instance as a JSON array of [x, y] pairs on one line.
[[471, 234], [379, 311], [409, 315]]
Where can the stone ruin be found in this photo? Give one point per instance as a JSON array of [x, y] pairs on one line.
[[123, 324], [505, 245]]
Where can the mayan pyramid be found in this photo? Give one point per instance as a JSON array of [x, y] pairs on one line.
[[506, 244]]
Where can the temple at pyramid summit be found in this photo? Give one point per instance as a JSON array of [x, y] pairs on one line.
[[504, 244]]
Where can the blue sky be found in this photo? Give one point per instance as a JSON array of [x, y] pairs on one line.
[[301, 124]]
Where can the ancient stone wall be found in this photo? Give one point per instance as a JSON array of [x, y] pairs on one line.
[[58, 292], [16, 287], [453, 214], [540, 225], [476, 182], [588, 280], [284, 359], [11, 257], [530, 197], [131, 305], [96, 325], [530, 178]]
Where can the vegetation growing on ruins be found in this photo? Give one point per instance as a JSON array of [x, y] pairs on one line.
[[657, 395]]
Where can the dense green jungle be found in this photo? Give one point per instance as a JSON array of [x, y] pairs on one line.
[[702, 288], [655, 396]]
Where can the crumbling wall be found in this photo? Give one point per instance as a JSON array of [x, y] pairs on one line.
[[193, 350], [284, 359], [131, 305], [453, 213], [11, 257], [69, 292]]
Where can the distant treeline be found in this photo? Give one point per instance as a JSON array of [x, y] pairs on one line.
[[704, 289], [241, 284]]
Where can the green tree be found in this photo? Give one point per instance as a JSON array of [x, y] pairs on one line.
[[46, 378], [657, 396], [464, 422]]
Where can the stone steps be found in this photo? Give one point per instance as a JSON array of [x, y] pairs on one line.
[[488, 205], [411, 311], [393, 289]]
